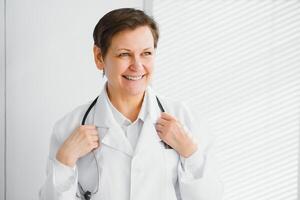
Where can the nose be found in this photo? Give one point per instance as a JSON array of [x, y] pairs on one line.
[[136, 63]]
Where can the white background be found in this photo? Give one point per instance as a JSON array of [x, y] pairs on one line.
[[49, 71], [236, 63]]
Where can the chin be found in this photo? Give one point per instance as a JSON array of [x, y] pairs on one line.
[[134, 88], [136, 91]]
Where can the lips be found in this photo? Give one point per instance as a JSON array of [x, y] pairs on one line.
[[133, 78]]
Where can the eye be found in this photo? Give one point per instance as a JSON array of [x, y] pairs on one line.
[[147, 53], [123, 54]]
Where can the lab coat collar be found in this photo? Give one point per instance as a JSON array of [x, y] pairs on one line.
[[152, 106], [114, 135], [149, 140], [121, 119], [109, 130], [103, 116]]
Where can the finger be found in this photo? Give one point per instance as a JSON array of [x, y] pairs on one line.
[[94, 138], [92, 132], [159, 127], [95, 145], [167, 116], [92, 127], [87, 133], [160, 134], [92, 142], [86, 128], [162, 121]]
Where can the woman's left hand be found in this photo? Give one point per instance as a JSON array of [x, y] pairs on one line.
[[171, 131]]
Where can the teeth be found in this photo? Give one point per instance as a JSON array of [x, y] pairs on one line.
[[134, 78]]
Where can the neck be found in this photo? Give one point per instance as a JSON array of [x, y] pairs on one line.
[[129, 106]]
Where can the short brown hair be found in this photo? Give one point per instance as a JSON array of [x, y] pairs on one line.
[[119, 20]]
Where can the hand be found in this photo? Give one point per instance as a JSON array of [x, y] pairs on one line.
[[82, 141], [172, 132]]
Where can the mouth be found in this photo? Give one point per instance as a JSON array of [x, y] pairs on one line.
[[133, 78]]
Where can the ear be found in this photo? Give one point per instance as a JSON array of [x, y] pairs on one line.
[[98, 57]]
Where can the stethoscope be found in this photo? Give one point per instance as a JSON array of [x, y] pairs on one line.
[[87, 194]]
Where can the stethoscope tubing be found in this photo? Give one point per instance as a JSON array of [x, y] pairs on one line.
[[87, 194]]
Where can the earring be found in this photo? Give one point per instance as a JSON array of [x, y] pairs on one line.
[[103, 73]]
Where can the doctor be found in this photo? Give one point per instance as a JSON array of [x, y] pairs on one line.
[[133, 144]]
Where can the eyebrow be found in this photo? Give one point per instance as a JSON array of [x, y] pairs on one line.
[[123, 49], [130, 50]]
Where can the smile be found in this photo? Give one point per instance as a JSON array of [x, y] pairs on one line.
[[133, 78]]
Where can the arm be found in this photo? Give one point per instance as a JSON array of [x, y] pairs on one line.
[[62, 175], [197, 175], [61, 181]]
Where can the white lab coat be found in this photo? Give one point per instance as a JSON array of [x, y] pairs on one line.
[[149, 172]]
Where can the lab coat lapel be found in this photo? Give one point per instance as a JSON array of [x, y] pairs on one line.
[[116, 139], [148, 160], [149, 139], [111, 134]]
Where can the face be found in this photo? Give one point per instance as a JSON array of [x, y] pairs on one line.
[[129, 61]]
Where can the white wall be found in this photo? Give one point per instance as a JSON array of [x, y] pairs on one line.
[[50, 71], [2, 99]]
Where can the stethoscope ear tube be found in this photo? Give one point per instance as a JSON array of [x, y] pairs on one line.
[[159, 105], [87, 194], [88, 110], [163, 110]]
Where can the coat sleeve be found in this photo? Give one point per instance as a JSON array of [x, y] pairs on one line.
[[61, 181], [197, 175]]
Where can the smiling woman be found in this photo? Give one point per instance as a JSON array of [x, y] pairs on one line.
[[132, 143], [128, 65]]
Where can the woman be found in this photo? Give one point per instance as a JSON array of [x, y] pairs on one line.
[[131, 143]]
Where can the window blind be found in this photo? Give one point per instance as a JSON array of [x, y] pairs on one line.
[[236, 63]]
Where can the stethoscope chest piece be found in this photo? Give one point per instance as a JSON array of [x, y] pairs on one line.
[[87, 195]]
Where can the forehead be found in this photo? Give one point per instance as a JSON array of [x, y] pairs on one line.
[[140, 37]]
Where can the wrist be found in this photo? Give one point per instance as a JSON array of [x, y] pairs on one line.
[[187, 152], [63, 158]]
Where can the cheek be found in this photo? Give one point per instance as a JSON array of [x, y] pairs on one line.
[[149, 65], [150, 70], [116, 67]]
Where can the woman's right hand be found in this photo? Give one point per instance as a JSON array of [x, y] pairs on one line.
[[82, 141]]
